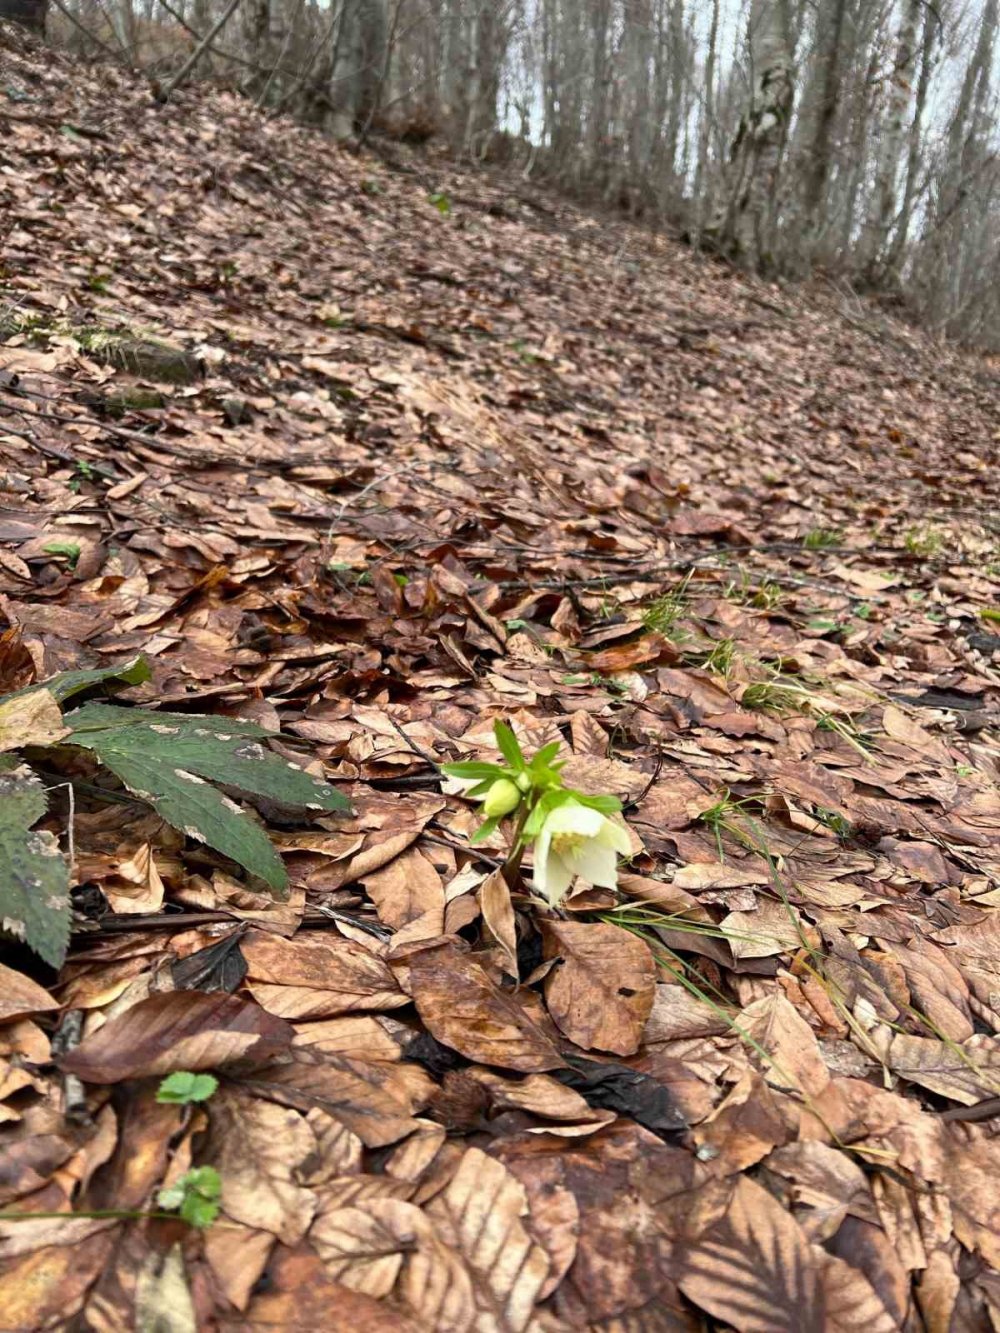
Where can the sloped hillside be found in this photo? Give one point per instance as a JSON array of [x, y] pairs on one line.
[[372, 450]]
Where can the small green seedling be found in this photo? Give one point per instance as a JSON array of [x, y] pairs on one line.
[[182, 1088], [821, 539], [195, 1196], [71, 550]]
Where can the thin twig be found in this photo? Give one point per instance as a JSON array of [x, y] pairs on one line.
[[192, 60]]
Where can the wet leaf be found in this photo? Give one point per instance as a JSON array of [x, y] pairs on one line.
[[34, 877]]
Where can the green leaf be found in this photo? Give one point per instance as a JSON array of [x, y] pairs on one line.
[[183, 1087], [607, 805], [484, 830], [196, 1195], [170, 759], [71, 550], [547, 802], [544, 757], [508, 746], [108, 717], [198, 1211], [34, 877], [67, 683], [473, 769]]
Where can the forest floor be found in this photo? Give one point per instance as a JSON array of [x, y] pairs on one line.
[[443, 448]]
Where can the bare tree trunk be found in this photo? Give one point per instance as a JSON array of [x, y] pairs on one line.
[[703, 203], [882, 209], [897, 250], [821, 113], [358, 66], [747, 232]]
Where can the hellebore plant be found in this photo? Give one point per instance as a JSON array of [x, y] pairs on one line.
[[571, 832]]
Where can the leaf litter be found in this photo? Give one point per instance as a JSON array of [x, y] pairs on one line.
[[541, 466]]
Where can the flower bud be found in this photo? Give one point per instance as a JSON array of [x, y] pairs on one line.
[[501, 799], [523, 782]]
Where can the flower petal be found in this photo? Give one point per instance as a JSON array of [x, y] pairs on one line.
[[542, 856], [559, 875], [613, 835], [595, 863], [571, 817]]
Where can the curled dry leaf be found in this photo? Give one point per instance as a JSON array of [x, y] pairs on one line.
[[301, 1297], [374, 1101], [601, 991], [31, 719], [406, 891], [751, 1266], [498, 913], [773, 928], [178, 1030], [49, 1281], [21, 997], [363, 1245]]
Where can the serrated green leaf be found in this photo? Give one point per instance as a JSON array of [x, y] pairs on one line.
[[196, 1194], [34, 877], [207, 747], [170, 759], [107, 717], [199, 1212], [188, 802], [67, 683]]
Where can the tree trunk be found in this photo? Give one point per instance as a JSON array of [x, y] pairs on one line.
[[29, 14], [747, 231], [703, 204], [821, 113], [897, 252], [882, 208], [359, 65]]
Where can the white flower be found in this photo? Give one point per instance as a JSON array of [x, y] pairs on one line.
[[576, 840]]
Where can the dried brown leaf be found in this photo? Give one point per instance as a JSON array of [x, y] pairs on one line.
[[316, 978], [21, 997], [178, 1030], [965, 1072], [498, 913], [601, 991], [479, 1216], [364, 1245], [463, 1008], [374, 1101], [260, 1150]]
